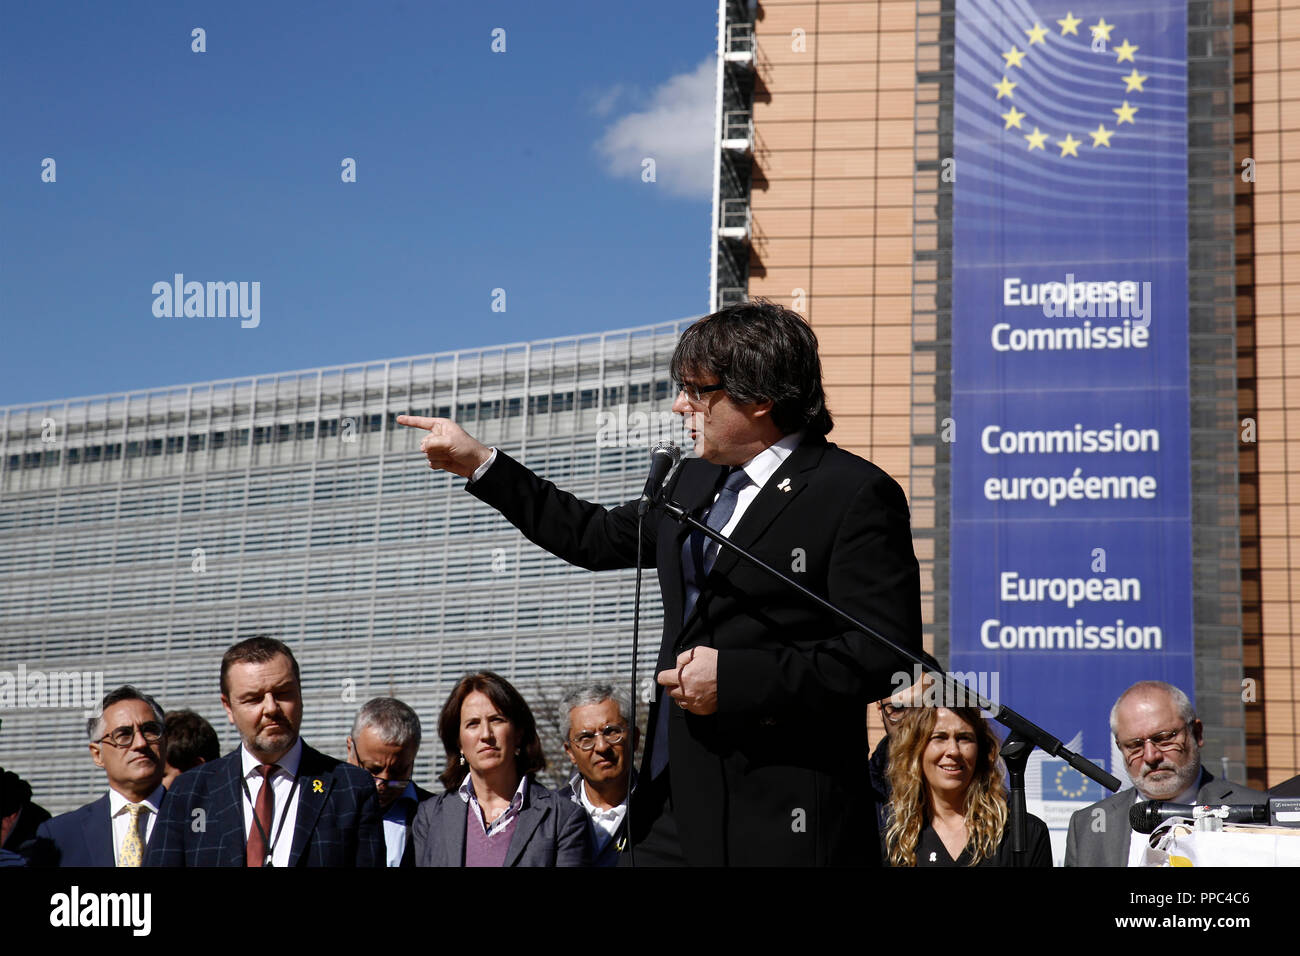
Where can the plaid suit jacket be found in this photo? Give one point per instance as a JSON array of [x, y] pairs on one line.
[[339, 821]]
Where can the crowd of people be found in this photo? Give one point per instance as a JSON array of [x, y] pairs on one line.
[[762, 696], [173, 800]]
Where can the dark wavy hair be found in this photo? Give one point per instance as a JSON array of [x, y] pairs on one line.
[[759, 351], [506, 699]]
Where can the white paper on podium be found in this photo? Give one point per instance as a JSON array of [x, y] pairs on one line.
[[1177, 844]]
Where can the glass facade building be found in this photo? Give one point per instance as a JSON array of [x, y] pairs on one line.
[[143, 533]]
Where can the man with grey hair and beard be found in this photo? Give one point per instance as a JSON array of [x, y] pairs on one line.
[[600, 744], [1160, 739], [384, 742]]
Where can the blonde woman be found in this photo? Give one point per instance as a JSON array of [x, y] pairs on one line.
[[949, 803]]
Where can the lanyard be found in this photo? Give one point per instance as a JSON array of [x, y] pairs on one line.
[[269, 843]]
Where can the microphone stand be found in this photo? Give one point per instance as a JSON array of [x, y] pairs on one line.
[[1025, 735]]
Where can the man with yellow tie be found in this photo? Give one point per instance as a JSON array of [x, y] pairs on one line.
[[127, 740]]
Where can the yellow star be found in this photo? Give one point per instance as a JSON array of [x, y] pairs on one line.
[[1013, 118], [1069, 145], [1126, 52], [1036, 34], [1004, 88], [1101, 136], [1125, 113], [1134, 81], [1014, 57], [1102, 29], [1070, 24], [1036, 139]]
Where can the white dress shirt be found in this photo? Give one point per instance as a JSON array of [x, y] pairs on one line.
[[117, 805], [759, 468], [395, 830], [605, 823], [284, 809]]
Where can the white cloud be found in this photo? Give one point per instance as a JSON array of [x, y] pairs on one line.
[[603, 103], [676, 131]]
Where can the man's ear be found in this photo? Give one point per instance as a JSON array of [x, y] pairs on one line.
[[96, 756], [225, 703], [1198, 732], [352, 754], [569, 753]]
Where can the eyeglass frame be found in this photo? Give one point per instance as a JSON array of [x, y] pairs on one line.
[[134, 728], [696, 393], [602, 733], [1137, 746]]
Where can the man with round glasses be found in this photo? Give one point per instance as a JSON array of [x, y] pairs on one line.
[[1160, 739], [600, 745], [127, 740]]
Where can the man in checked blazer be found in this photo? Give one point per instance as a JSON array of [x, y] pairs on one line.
[[321, 812], [1160, 740]]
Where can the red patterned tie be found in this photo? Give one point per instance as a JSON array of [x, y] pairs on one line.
[[255, 854]]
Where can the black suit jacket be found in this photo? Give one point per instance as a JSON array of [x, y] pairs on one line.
[[408, 851], [776, 776], [338, 821], [82, 837], [549, 831]]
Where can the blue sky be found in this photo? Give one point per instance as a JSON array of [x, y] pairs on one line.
[[475, 171]]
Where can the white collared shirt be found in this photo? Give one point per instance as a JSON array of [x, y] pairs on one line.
[[605, 823], [1137, 845], [281, 814], [395, 834], [466, 792], [759, 468], [121, 817]]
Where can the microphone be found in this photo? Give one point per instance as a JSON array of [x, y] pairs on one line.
[[1145, 817], [663, 458]]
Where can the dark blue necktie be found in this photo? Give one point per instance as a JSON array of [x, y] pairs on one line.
[[694, 570], [694, 566]]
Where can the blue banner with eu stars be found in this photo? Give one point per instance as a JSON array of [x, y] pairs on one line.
[[1071, 563]]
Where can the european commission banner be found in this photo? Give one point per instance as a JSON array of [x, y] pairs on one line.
[[1071, 526]]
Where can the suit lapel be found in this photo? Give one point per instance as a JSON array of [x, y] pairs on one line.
[[693, 490], [530, 817], [98, 833], [783, 487], [452, 822], [232, 843], [313, 790], [1120, 835]]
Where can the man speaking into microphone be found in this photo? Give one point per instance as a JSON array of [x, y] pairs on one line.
[[753, 751]]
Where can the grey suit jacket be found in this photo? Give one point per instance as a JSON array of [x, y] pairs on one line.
[[550, 831], [1107, 844]]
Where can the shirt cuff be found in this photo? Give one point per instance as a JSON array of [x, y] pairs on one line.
[[481, 470]]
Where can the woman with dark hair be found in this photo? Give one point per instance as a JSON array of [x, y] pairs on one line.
[[493, 812], [949, 805]]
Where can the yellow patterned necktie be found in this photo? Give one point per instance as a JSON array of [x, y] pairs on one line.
[[132, 852]]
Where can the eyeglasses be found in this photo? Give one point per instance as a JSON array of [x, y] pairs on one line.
[[124, 736], [1165, 741], [892, 712], [612, 733], [696, 393], [390, 783]]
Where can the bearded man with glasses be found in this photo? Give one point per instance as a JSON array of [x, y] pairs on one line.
[[127, 740], [1160, 740]]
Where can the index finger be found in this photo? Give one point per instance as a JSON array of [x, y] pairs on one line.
[[417, 421]]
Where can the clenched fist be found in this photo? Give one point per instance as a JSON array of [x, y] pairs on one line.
[[448, 446]]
